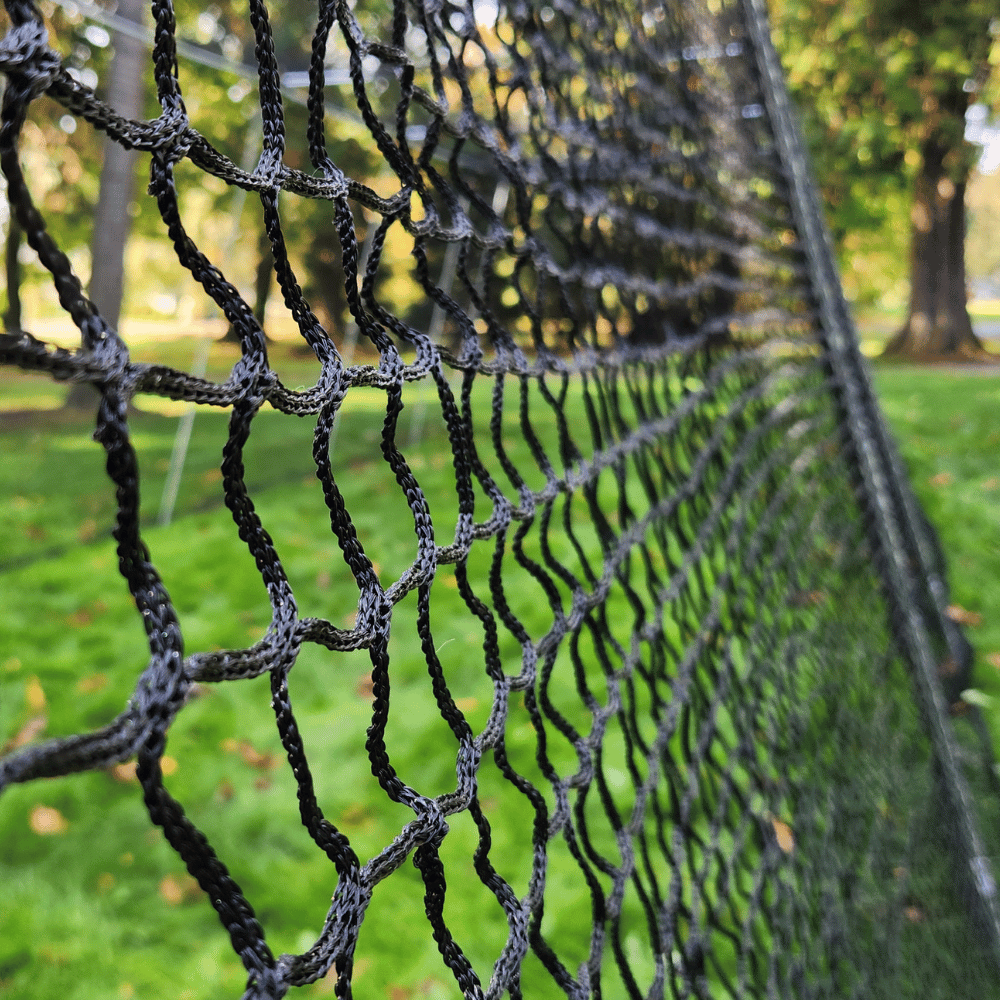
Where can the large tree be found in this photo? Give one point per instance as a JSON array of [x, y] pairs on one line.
[[112, 219], [884, 87]]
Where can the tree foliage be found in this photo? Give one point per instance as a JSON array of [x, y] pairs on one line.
[[64, 155], [877, 81]]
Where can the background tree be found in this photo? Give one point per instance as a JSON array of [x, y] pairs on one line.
[[12, 270], [884, 86], [55, 156], [112, 218], [63, 157]]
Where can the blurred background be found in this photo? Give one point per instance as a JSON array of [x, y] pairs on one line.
[[899, 103]]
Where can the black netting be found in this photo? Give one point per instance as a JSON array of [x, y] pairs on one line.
[[727, 747]]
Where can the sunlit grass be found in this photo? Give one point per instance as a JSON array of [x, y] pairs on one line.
[[946, 426], [99, 905]]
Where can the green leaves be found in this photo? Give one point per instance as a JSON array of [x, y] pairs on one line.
[[874, 81]]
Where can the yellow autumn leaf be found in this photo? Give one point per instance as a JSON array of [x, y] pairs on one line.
[[34, 694], [783, 834], [46, 821]]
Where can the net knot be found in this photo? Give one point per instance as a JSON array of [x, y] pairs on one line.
[[25, 52], [266, 984], [171, 136]]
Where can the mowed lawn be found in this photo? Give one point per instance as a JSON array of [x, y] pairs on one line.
[[946, 425], [85, 922], [96, 903]]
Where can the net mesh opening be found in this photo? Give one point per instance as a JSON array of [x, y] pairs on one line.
[[688, 737]]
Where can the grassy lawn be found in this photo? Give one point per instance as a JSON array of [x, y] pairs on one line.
[[69, 648], [97, 904], [945, 424]]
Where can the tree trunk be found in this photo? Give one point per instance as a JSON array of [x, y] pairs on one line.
[[937, 324], [263, 277], [111, 218], [12, 267], [262, 283]]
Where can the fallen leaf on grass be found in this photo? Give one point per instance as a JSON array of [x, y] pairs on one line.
[[32, 728], [197, 690], [942, 479], [53, 954], [123, 773], [992, 483], [958, 614], [94, 682], [328, 983], [265, 761], [84, 615], [177, 889], [356, 814], [807, 598], [948, 668], [88, 531], [993, 659], [47, 822], [914, 914], [34, 695], [783, 834], [364, 688]]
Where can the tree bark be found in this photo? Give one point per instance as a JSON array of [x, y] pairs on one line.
[[263, 277], [12, 267], [262, 283], [112, 221], [937, 324]]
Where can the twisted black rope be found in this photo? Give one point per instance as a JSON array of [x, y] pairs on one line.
[[677, 464]]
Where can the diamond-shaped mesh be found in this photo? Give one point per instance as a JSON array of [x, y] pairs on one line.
[[727, 745]]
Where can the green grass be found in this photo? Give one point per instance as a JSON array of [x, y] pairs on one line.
[[71, 647], [945, 424], [103, 907], [78, 642]]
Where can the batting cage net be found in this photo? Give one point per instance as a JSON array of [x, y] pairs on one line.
[[713, 756]]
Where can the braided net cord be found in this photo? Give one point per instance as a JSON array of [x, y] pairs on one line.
[[656, 428]]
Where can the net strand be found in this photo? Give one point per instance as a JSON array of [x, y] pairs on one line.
[[658, 431]]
